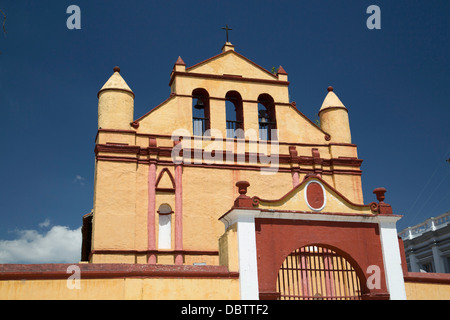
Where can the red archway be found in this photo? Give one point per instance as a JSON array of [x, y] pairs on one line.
[[356, 242], [316, 272]]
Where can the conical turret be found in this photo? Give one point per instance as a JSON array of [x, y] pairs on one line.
[[115, 103], [334, 118]]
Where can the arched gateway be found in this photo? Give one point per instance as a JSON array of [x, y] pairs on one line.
[[312, 243], [317, 273]]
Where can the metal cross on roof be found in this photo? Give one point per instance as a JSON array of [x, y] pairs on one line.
[[227, 29]]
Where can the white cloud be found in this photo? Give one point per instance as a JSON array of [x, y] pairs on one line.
[[44, 224], [58, 245], [79, 179]]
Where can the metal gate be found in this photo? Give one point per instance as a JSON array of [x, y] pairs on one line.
[[317, 273]]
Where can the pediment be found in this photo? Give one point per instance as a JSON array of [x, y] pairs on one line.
[[314, 195], [232, 63], [165, 181]]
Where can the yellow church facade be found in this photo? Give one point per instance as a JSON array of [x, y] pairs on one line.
[[227, 191], [141, 167]]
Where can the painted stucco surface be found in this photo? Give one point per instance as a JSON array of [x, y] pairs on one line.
[[144, 163]]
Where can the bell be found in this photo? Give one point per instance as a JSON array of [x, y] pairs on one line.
[[263, 115], [199, 105]]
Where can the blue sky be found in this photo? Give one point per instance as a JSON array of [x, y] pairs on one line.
[[394, 82]]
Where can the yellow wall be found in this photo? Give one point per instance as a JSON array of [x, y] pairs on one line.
[[228, 246], [427, 291], [114, 225], [163, 288], [122, 289]]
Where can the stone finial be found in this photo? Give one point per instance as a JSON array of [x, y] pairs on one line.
[[243, 201], [116, 82], [379, 192], [383, 208], [242, 186]]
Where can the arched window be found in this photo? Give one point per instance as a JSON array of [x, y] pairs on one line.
[[200, 111], [266, 117], [165, 227], [234, 114]]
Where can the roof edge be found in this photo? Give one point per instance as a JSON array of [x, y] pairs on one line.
[[239, 55]]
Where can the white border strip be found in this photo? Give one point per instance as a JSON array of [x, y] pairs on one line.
[[395, 280], [248, 265], [231, 217], [324, 195]]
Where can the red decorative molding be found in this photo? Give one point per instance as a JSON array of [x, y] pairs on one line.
[[117, 159], [421, 277], [116, 148], [117, 144], [224, 154], [225, 77], [290, 158], [225, 99], [223, 166], [185, 252], [158, 180], [116, 130], [316, 156], [135, 124], [165, 213], [232, 75], [111, 271], [257, 200], [227, 139], [165, 190]]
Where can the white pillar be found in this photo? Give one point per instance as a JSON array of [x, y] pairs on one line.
[[391, 257], [248, 265]]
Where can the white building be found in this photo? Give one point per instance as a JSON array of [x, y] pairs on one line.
[[427, 245]]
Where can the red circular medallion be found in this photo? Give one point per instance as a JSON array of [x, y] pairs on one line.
[[315, 196]]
